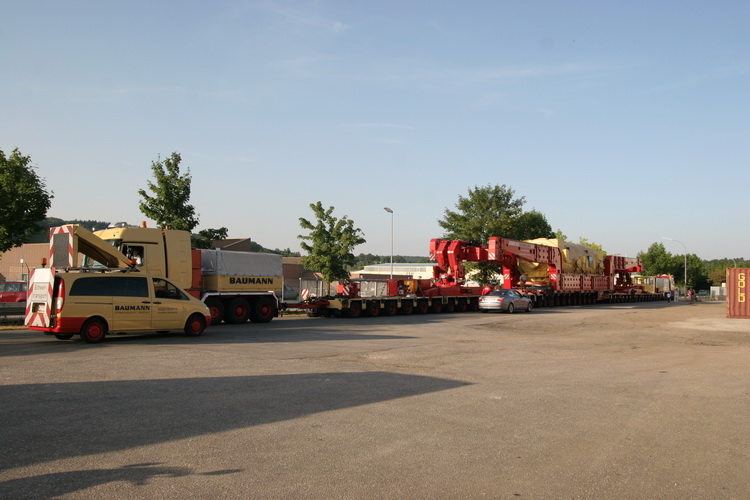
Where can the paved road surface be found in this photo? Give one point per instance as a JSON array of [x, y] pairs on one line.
[[595, 402]]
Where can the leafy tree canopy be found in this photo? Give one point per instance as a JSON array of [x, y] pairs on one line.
[[24, 200], [490, 211], [330, 243], [531, 225], [206, 237], [169, 206], [716, 270], [656, 260]]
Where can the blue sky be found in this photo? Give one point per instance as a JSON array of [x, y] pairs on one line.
[[622, 122]]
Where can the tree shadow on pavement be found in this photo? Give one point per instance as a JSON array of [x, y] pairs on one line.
[[57, 484]]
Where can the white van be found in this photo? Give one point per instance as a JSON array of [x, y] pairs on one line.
[[89, 304]]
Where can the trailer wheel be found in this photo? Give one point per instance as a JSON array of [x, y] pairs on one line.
[[94, 331], [354, 311], [436, 306], [450, 306], [407, 307], [195, 325], [238, 311], [263, 310], [462, 305], [372, 308], [217, 310], [390, 308], [63, 336], [422, 307]]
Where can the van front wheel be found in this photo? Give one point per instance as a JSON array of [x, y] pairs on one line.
[[195, 325], [94, 331]]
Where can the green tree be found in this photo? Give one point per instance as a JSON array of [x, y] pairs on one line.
[[490, 211], [24, 200], [716, 270], [717, 276], [656, 260], [169, 206], [532, 225], [206, 237], [487, 211], [331, 242], [697, 275]]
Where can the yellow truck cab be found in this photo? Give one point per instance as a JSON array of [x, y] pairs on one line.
[[93, 304]]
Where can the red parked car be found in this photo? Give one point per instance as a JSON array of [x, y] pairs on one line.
[[13, 297]]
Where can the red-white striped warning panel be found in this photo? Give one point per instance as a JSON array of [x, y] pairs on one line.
[[61, 246], [39, 299]]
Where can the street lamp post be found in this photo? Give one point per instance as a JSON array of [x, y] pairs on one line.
[[683, 246], [391, 212]]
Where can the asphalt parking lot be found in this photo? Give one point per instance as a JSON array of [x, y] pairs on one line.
[[622, 401]]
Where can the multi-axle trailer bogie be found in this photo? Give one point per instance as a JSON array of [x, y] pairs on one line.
[[589, 297], [391, 306], [354, 307]]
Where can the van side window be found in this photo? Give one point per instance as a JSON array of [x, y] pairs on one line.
[[97, 286], [130, 287], [163, 289]]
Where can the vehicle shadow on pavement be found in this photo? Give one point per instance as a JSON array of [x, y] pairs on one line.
[[282, 330], [52, 421]]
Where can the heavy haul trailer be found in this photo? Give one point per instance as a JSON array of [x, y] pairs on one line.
[[551, 272], [403, 296], [236, 286]]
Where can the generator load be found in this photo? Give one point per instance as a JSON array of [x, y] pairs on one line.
[[576, 259]]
